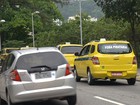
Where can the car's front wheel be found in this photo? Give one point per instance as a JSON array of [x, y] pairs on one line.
[[131, 81], [72, 100]]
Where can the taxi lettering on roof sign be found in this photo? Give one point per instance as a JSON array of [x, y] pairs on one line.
[[116, 47], [106, 60]]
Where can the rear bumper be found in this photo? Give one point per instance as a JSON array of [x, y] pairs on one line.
[[99, 73], [18, 94]]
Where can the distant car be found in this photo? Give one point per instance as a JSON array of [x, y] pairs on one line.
[[6, 51], [27, 47], [36, 74], [69, 50], [106, 60]]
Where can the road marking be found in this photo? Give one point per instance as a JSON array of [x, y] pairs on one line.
[[107, 100]]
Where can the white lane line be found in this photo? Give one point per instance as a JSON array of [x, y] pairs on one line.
[[107, 100]]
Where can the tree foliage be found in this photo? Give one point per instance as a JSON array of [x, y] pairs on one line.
[[17, 14], [126, 10]]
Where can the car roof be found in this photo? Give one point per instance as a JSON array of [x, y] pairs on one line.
[[104, 42], [35, 50], [70, 45]]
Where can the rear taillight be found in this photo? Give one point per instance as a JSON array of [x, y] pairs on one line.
[[14, 75], [95, 60], [67, 70], [134, 60]]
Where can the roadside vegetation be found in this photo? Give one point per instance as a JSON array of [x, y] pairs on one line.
[[121, 22]]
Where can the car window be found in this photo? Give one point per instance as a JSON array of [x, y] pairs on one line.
[[117, 48], [3, 66], [50, 59], [92, 49], [70, 49], [58, 47], [85, 50], [8, 62]]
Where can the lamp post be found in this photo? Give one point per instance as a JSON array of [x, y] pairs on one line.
[[36, 12], [1, 21], [80, 22]]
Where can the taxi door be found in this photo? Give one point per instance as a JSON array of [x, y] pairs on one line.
[[83, 58]]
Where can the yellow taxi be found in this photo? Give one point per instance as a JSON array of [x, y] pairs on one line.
[[106, 60], [24, 48], [5, 52], [69, 51]]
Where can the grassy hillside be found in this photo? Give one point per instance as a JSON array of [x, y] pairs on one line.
[[88, 7]]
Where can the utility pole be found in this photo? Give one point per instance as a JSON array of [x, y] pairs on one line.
[[81, 36]]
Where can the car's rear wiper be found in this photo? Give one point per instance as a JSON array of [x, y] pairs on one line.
[[40, 68]]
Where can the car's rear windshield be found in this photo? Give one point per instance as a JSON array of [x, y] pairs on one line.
[[114, 48], [49, 59], [71, 49]]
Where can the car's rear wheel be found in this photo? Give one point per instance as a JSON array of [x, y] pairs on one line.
[[131, 81], [72, 100], [77, 78], [113, 80], [90, 79]]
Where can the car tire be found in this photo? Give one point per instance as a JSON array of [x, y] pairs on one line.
[[9, 100], [90, 79], [113, 80], [77, 78], [72, 100], [131, 81], [2, 101]]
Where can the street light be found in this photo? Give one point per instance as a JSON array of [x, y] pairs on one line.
[[80, 22], [36, 12], [1, 21]]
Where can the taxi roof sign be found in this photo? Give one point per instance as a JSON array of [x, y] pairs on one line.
[[67, 42], [102, 39]]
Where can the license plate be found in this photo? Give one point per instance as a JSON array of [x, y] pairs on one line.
[[42, 75], [117, 74]]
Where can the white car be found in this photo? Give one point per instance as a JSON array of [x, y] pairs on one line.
[[36, 74]]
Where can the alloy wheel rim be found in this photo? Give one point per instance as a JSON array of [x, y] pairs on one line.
[[88, 77]]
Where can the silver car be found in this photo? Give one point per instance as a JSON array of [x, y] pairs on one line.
[[36, 74]]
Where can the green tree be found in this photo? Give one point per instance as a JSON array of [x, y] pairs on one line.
[[17, 14], [126, 10]]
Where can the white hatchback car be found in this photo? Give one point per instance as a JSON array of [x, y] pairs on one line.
[[36, 74]]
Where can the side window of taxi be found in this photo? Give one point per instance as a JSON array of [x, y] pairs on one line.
[[92, 49], [85, 50], [58, 47], [8, 62]]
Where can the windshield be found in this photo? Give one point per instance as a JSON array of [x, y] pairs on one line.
[[71, 49], [49, 59], [116, 48]]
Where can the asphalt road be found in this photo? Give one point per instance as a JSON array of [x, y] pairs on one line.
[[107, 93], [102, 93]]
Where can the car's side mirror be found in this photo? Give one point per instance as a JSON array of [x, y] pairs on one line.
[[76, 54]]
